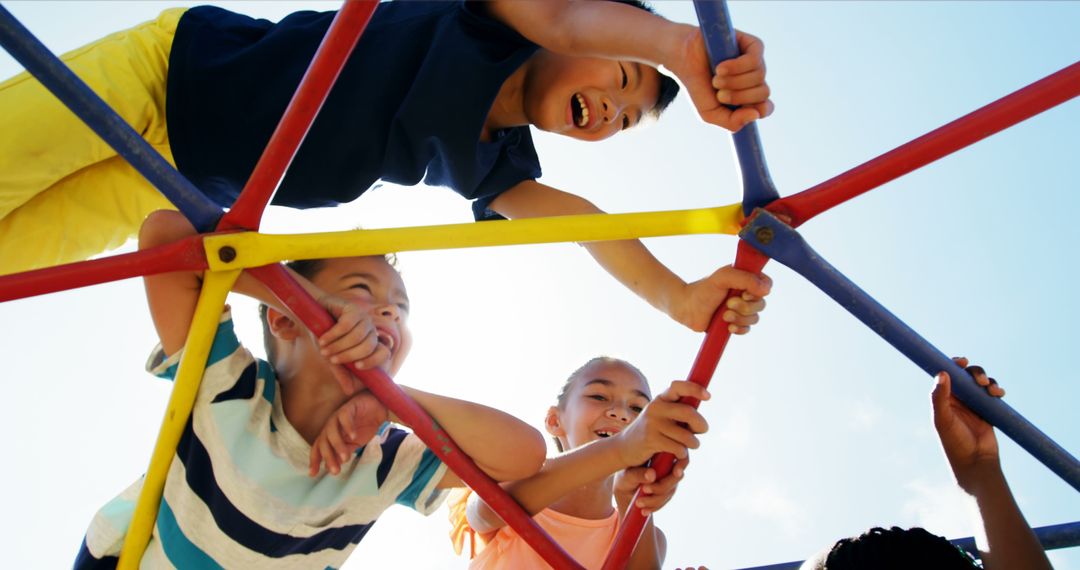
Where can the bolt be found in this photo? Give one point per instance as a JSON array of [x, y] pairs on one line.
[[227, 254], [764, 235]]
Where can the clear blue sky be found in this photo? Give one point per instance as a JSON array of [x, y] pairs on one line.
[[819, 429]]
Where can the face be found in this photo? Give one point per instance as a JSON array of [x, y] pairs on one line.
[[587, 98], [374, 282], [601, 401]]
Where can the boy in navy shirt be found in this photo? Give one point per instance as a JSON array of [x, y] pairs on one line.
[[440, 92]]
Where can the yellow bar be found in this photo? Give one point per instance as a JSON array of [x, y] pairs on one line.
[[204, 324], [250, 249]]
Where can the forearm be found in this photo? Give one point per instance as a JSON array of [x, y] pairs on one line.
[[595, 29], [631, 264], [1010, 541], [501, 445], [626, 260]]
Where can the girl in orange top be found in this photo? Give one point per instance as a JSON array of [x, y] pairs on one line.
[[571, 496]]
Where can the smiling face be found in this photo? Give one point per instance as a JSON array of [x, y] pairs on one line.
[[601, 399], [374, 282], [587, 98]]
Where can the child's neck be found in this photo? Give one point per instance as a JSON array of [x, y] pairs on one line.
[[508, 110], [592, 501]]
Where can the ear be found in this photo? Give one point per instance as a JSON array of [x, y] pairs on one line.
[[553, 422], [281, 325]]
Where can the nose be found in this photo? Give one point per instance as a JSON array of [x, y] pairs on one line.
[[389, 311], [619, 412], [610, 109]]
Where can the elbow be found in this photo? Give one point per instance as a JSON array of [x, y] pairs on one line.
[[525, 458], [162, 227]]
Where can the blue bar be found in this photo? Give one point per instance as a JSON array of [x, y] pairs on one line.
[[1066, 535], [777, 240], [82, 101], [719, 34]]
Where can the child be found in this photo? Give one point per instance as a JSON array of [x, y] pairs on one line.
[[440, 92], [972, 451], [238, 493]]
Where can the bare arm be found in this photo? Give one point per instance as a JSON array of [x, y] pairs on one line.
[[594, 29], [629, 262], [971, 448], [172, 297], [502, 446]]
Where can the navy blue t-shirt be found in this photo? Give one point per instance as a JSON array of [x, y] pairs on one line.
[[408, 106]]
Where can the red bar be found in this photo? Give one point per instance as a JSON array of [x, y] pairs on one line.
[[973, 127], [289, 292], [186, 254], [708, 356], [325, 67]]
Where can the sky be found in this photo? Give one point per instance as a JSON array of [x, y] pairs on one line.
[[819, 429]]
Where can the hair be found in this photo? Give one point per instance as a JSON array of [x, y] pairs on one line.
[[896, 549], [668, 87], [308, 269], [564, 392]]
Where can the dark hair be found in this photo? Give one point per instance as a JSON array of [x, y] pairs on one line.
[[560, 400], [668, 87], [897, 549]]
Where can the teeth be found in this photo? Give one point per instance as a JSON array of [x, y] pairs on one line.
[[387, 340], [584, 110]]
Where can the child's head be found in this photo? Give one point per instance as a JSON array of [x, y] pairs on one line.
[[591, 98], [598, 400], [372, 280], [894, 548]]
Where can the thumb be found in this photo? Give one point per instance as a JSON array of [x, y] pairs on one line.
[[940, 396]]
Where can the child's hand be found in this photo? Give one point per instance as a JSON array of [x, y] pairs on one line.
[[352, 339], [700, 299], [350, 427], [665, 425], [969, 441], [654, 495], [738, 82]]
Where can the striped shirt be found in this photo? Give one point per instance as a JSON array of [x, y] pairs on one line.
[[238, 494]]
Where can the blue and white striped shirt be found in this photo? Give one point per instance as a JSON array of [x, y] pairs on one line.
[[238, 494]]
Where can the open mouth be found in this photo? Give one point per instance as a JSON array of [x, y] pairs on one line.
[[605, 433], [386, 339], [579, 109]]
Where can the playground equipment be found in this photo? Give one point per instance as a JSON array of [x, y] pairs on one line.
[[224, 254]]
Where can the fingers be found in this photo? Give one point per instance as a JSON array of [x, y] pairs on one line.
[[683, 389], [757, 93], [753, 56], [742, 312], [985, 381]]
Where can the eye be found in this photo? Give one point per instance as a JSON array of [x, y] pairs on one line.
[[597, 397], [636, 409], [404, 307], [363, 286], [625, 122], [624, 79]]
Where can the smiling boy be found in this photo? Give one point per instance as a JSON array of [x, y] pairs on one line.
[[238, 492], [440, 92]]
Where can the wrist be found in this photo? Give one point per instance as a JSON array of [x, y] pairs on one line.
[[673, 44], [980, 477]]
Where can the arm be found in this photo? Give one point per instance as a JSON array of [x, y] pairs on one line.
[[171, 297], [664, 426], [971, 448], [502, 446], [635, 267], [614, 31]]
